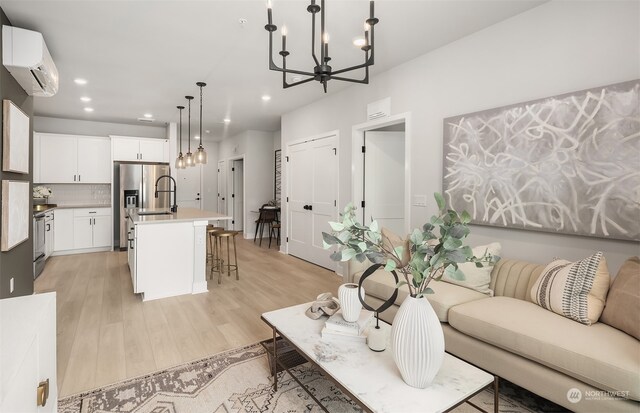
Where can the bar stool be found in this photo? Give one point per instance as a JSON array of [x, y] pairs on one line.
[[219, 237], [213, 254]]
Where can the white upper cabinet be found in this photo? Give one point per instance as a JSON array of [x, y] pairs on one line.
[[58, 159], [140, 149], [94, 162], [61, 159]]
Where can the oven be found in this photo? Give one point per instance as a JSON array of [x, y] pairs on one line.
[[39, 234]]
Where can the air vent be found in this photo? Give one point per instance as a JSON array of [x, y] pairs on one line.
[[147, 120], [379, 109]]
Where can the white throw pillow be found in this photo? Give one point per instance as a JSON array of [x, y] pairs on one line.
[[477, 278]]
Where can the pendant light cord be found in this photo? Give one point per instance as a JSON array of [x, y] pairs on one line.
[[201, 115], [189, 129], [180, 131]]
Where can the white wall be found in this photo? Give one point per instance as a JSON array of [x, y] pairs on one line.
[[85, 127], [257, 149], [558, 47]]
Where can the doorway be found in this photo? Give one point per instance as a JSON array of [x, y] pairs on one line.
[[312, 176], [381, 173], [189, 187], [237, 194]]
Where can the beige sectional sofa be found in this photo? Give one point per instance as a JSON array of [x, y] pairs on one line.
[[513, 338]]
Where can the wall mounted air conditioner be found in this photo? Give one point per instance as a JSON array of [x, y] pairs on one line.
[[26, 57]]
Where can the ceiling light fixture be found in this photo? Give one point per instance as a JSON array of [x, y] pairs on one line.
[[180, 158], [188, 159], [85, 99], [201, 154], [266, 98], [322, 72], [148, 115], [80, 81], [226, 120], [359, 42], [88, 109]]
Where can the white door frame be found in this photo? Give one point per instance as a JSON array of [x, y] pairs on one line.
[[286, 171], [229, 165], [357, 166]]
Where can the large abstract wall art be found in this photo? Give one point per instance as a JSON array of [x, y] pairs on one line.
[[567, 164]]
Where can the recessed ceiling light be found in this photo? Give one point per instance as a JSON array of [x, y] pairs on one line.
[[296, 78], [85, 99], [88, 109], [359, 42], [80, 81], [266, 98], [148, 115], [207, 131], [226, 120], [196, 137]]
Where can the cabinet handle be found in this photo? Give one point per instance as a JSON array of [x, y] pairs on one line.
[[74, 178], [79, 178], [42, 393], [48, 227]]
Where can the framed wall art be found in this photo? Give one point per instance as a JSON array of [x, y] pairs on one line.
[[15, 138], [15, 213], [567, 164]]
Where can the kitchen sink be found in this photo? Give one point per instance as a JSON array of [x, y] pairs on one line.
[[142, 213]]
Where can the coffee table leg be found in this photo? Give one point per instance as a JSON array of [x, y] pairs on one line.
[[496, 399], [275, 362]]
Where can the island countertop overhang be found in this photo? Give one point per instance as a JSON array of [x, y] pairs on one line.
[[183, 215]]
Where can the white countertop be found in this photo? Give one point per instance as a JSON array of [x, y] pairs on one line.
[[183, 215]]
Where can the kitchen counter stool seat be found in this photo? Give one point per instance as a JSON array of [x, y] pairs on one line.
[[213, 253], [230, 237]]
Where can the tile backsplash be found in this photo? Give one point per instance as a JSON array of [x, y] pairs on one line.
[[80, 194]]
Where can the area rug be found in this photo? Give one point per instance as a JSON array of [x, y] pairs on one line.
[[238, 381]]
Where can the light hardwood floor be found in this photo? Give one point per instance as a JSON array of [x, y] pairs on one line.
[[106, 333]]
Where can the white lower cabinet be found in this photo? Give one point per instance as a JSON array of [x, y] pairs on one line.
[[82, 228], [63, 230]]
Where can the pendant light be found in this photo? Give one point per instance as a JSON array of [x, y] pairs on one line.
[[180, 158], [201, 155], [188, 159]]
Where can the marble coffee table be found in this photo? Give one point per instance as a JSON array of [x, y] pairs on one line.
[[372, 379]]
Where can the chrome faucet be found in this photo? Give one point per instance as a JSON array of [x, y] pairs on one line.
[[174, 207]]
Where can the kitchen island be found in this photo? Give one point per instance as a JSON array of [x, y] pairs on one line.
[[167, 251]]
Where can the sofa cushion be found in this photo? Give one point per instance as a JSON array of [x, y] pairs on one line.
[[381, 284], [598, 354], [477, 278], [576, 290], [622, 309]]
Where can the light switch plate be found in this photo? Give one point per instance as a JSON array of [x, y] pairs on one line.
[[419, 200]]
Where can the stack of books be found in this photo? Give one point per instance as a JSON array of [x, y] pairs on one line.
[[337, 328]]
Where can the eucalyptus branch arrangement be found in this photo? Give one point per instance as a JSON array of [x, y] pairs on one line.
[[421, 257]]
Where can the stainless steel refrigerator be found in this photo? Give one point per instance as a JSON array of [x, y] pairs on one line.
[[135, 188]]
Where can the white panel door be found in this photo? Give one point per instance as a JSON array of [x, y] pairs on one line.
[[312, 198], [125, 149], [102, 231], [384, 177], [237, 195], [58, 159], [222, 188], [152, 150], [63, 230], [28, 352], [94, 160], [189, 186]]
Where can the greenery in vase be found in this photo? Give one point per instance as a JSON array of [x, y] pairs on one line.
[[427, 254]]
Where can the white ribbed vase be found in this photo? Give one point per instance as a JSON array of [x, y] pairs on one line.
[[349, 301], [417, 342]]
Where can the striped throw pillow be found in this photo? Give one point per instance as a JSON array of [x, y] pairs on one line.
[[576, 290]]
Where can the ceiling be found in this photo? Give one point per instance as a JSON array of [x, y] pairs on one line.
[[144, 56]]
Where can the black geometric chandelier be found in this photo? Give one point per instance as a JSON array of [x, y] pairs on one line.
[[322, 72]]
